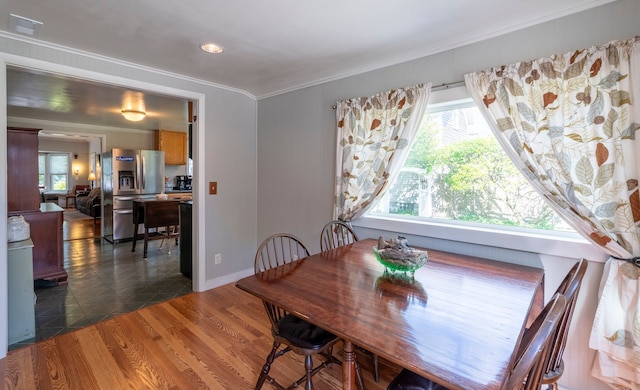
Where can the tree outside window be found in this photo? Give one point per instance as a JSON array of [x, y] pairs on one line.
[[456, 170]]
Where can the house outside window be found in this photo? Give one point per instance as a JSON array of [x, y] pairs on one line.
[[457, 172], [53, 171]]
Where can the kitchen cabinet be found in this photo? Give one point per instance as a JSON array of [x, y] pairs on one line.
[[186, 236], [174, 146], [23, 198], [45, 228], [22, 323], [22, 176]]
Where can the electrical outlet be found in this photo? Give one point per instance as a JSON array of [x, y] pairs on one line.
[[218, 258]]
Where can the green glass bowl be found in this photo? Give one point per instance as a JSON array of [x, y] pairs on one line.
[[394, 265]]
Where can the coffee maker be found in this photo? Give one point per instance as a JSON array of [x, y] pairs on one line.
[[181, 183]]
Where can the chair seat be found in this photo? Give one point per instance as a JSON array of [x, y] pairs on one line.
[[407, 380], [302, 333]]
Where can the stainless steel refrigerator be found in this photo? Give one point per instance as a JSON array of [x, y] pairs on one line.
[[128, 175]]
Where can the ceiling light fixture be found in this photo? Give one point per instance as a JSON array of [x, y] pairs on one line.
[[133, 115], [212, 48]]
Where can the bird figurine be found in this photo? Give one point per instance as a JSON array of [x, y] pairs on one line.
[[399, 250]]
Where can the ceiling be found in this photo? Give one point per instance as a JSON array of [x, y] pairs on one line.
[[270, 46], [44, 96]]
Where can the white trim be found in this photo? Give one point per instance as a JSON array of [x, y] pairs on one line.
[[554, 243], [54, 126], [4, 283], [231, 278], [99, 57], [64, 70], [447, 97], [199, 197]]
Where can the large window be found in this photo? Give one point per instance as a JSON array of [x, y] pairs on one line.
[[457, 171], [53, 171]]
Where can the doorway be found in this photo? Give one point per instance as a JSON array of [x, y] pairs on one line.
[[102, 79]]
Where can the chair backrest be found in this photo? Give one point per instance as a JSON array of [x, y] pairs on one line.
[[335, 234], [81, 188], [570, 287], [277, 250], [527, 370]]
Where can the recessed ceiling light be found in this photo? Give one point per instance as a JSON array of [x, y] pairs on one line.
[[212, 48]]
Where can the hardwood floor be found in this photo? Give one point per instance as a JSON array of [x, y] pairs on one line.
[[216, 339], [81, 228]]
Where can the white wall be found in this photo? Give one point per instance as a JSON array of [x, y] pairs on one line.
[[79, 149], [296, 146], [225, 151]]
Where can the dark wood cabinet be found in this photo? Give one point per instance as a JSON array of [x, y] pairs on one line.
[[45, 227], [186, 237], [23, 198], [22, 165]]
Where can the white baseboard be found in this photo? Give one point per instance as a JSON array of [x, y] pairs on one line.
[[231, 278]]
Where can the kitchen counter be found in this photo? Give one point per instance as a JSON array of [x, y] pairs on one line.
[[179, 195], [45, 229]]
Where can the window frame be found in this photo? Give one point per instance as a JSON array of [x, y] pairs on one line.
[[48, 174], [544, 242]]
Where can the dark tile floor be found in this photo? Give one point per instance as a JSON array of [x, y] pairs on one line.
[[106, 280]]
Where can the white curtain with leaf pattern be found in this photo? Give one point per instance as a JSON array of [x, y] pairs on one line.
[[570, 123], [374, 139]]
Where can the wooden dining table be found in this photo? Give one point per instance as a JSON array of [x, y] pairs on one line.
[[155, 213], [458, 321]]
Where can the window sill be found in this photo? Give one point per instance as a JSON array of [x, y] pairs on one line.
[[570, 245]]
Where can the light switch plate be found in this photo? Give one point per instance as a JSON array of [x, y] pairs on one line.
[[213, 187]]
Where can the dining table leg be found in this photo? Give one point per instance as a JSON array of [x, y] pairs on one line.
[[348, 366], [135, 236]]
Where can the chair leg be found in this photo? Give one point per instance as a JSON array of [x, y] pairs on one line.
[[308, 365], [267, 365], [376, 372], [359, 376]]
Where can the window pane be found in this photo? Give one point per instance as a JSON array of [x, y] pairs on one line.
[[42, 170], [42, 161], [59, 163], [59, 182], [456, 170]]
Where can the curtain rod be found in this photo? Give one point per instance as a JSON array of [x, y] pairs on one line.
[[447, 85], [435, 88]]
